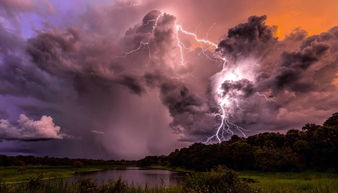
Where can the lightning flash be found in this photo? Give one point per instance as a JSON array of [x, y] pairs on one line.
[[225, 103]]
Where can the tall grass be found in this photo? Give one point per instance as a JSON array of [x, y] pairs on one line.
[[299, 189], [304, 182]]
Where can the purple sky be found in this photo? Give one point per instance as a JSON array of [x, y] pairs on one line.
[[124, 79]]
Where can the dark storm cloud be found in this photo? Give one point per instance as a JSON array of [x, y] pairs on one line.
[[244, 86], [71, 53], [253, 38], [21, 81], [193, 116], [17, 78], [133, 84], [292, 67], [9, 41], [298, 71], [178, 98], [149, 21], [186, 109], [116, 81], [52, 51], [294, 82], [94, 81], [145, 67]]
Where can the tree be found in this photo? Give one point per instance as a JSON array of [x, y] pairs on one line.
[[332, 121]]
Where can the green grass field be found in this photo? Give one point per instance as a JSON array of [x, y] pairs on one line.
[[10, 175], [289, 182]]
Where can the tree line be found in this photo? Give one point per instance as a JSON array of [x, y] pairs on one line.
[[52, 161], [314, 147]]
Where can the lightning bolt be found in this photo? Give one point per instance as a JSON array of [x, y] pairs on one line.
[[269, 99], [180, 29], [226, 127], [146, 44], [142, 44]]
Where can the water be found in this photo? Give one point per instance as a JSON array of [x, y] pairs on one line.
[[134, 176]]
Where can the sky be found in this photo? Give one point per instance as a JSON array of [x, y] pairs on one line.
[[122, 79]]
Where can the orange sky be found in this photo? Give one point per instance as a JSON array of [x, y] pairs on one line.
[[314, 16]]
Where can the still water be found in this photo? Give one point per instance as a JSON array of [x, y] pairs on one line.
[[135, 176]]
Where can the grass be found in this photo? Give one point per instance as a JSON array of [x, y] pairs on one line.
[[289, 182], [15, 174]]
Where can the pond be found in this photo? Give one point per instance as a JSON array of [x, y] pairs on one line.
[[134, 176]]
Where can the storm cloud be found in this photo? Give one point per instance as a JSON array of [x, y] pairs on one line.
[[124, 82], [286, 85]]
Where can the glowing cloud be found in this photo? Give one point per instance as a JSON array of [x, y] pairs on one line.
[[30, 130]]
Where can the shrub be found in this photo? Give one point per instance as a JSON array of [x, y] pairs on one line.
[[215, 182]]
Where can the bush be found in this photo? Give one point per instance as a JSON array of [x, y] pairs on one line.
[[216, 182]]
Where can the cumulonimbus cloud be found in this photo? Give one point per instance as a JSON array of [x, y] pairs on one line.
[[134, 87]]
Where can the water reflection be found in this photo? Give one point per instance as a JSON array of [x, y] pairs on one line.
[[135, 176]]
